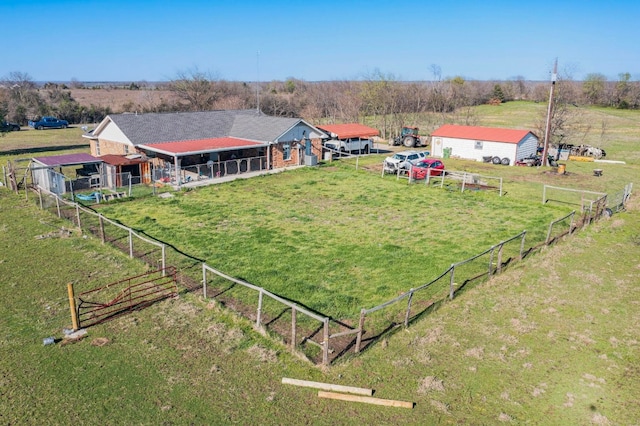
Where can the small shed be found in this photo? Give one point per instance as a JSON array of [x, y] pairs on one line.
[[483, 143], [48, 174]]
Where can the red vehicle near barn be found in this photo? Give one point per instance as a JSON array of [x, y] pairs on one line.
[[430, 166]]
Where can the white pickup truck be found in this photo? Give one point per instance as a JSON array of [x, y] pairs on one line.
[[361, 145], [402, 161]]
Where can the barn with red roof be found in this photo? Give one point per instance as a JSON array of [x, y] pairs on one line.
[[488, 144]]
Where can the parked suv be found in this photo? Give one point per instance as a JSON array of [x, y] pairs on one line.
[[5, 126], [401, 160]]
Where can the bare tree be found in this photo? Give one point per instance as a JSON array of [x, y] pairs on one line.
[[195, 90]]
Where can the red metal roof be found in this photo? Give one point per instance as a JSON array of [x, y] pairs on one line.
[[121, 160], [203, 145], [349, 130], [492, 134]]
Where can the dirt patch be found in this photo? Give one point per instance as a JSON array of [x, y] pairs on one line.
[[430, 384]]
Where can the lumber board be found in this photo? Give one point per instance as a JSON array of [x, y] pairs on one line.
[[327, 386], [365, 399]]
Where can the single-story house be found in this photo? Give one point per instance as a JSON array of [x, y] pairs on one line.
[[47, 172], [207, 143], [483, 143]]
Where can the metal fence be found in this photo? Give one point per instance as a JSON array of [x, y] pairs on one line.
[[465, 181], [282, 316], [419, 300], [272, 310], [209, 170]]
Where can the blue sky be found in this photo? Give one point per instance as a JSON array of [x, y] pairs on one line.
[[331, 40]]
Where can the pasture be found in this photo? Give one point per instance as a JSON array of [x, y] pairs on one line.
[[552, 340]]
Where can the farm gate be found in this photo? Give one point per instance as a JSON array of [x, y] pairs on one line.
[[103, 303]]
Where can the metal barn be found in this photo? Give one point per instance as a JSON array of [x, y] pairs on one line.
[[483, 143]]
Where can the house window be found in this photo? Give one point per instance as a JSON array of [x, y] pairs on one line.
[[286, 152], [126, 150], [98, 148], [478, 144]]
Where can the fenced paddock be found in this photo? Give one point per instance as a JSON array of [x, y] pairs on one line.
[[321, 338]]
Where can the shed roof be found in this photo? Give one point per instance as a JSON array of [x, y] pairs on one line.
[[493, 134], [202, 145], [349, 130], [67, 160], [122, 160]]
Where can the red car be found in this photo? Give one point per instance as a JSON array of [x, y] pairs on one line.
[[433, 166]]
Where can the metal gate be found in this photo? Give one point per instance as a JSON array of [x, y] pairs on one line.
[[104, 303]]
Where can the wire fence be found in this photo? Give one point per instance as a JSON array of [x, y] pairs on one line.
[[450, 179], [323, 339]]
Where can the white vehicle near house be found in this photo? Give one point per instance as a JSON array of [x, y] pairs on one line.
[[361, 145], [403, 160]]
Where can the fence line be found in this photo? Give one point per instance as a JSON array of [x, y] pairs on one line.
[[553, 223], [468, 181], [295, 308], [595, 211]]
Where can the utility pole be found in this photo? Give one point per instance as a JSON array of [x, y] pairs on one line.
[[547, 130]]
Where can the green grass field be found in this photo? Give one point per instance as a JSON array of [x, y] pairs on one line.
[[553, 340]]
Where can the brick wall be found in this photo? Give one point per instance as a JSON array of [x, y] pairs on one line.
[[277, 154], [109, 147]]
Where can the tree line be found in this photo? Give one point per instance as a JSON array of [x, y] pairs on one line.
[[378, 99]]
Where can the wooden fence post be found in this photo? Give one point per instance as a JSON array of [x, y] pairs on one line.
[[164, 257], [524, 234], [58, 207], [259, 313], [549, 234], [293, 328], [204, 278], [101, 220], [453, 269], [72, 306], [78, 216], [40, 197], [491, 262], [499, 266], [406, 317], [325, 343], [130, 243], [360, 329]]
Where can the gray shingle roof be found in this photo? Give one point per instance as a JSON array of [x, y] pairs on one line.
[[183, 126]]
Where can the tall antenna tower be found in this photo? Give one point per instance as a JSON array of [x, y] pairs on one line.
[[258, 82], [547, 130]]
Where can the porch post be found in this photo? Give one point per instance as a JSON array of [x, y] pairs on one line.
[[176, 164], [269, 156]]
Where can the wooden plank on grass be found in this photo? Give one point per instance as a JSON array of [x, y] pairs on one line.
[[365, 399], [327, 386]]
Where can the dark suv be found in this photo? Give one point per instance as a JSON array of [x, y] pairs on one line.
[[5, 126]]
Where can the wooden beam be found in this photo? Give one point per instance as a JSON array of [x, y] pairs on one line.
[[365, 399], [327, 386]]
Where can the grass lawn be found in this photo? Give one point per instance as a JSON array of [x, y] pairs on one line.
[[332, 238], [553, 340]]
